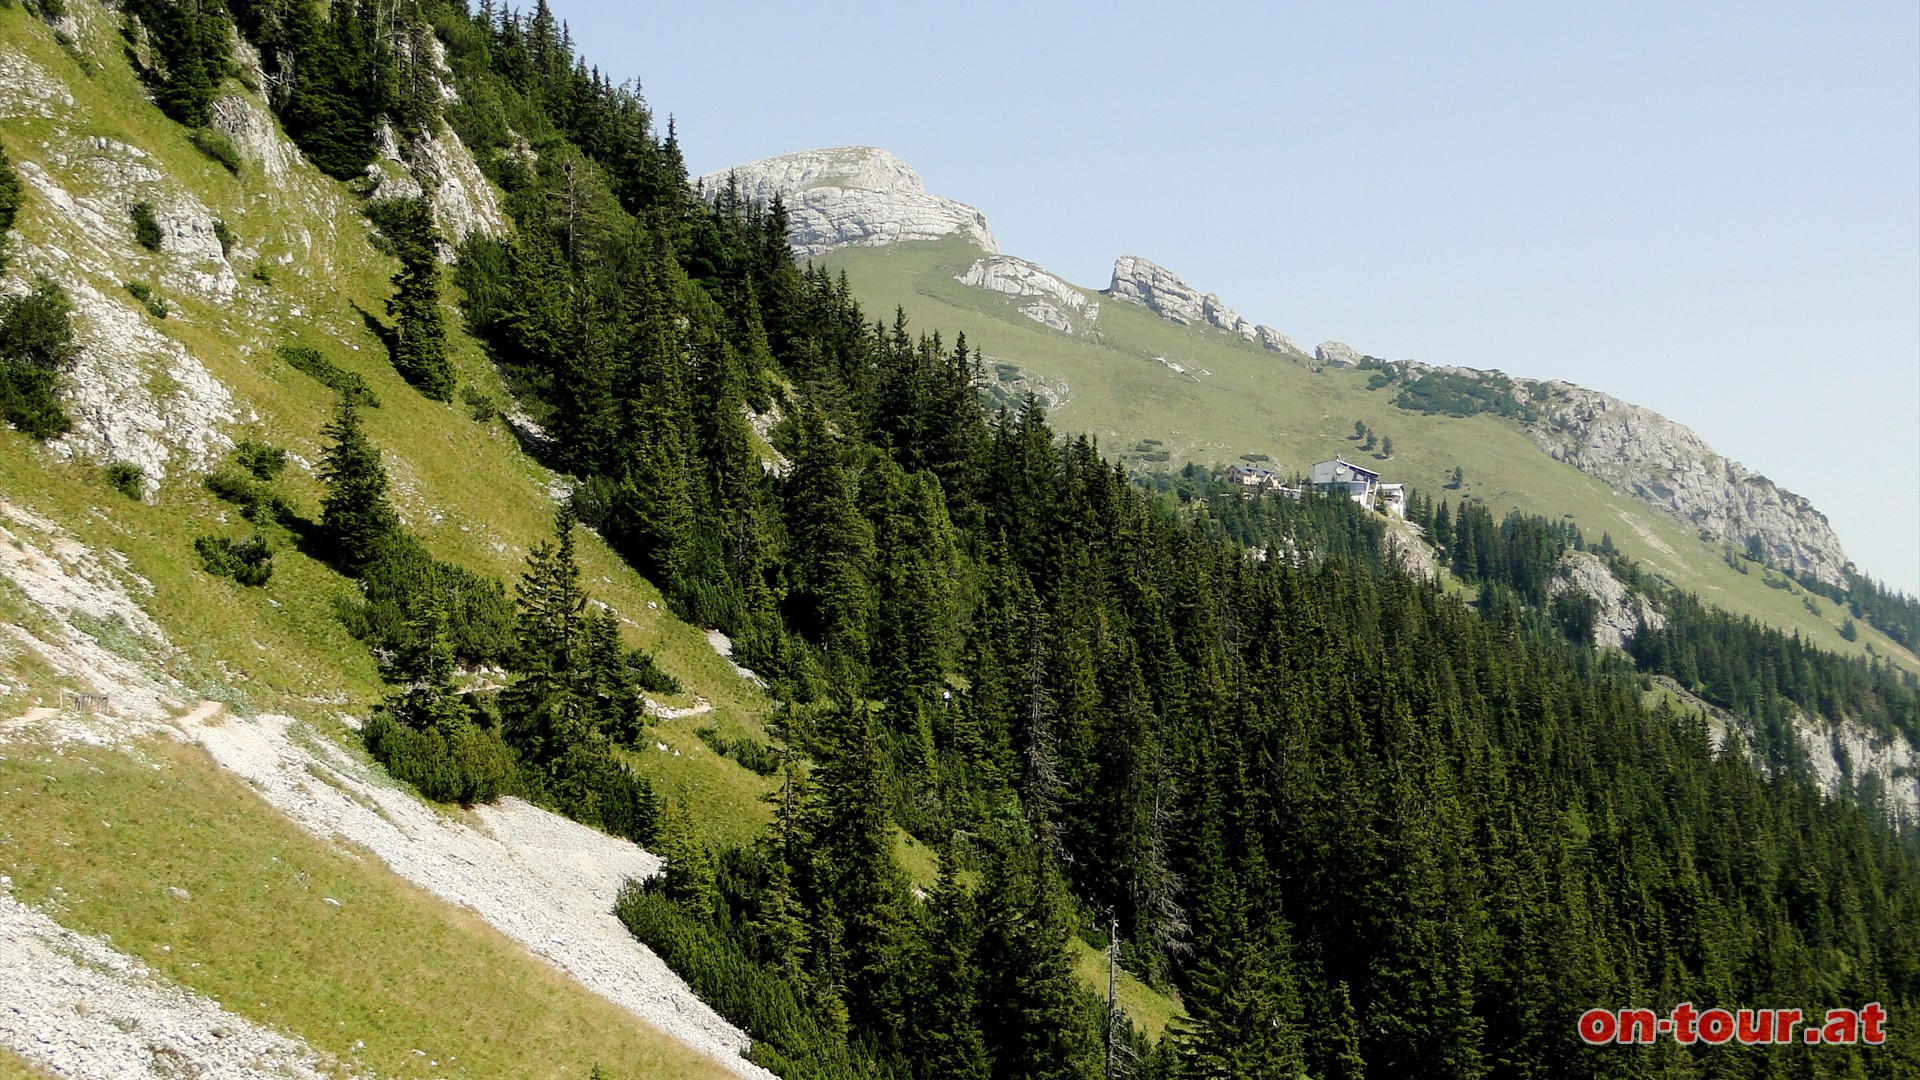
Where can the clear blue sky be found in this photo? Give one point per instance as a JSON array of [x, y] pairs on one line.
[[1709, 209]]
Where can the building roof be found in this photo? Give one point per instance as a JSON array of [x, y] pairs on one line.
[[1360, 469]]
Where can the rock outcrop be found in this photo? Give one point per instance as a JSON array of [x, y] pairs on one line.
[[849, 197], [1638, 451], [1060, 305], [1621, 612], [1336, 354], [1159, 290], [439, 166]]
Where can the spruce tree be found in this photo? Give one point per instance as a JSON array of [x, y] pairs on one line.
[[9, 206], [355, 515], [1033, 1014], [36, 347], [424, 668], [830, 596], [191, 54], [947, 1042], [419, 332], [549, 709]]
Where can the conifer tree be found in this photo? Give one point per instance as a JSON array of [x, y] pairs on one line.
[[689, 877], [9, 206], [355, 515], [947, 1042], [852, 841], [1033, 1014], [36, 346], [830, 596], [424, 668], [190, 54], [548, 708], [419, 333]]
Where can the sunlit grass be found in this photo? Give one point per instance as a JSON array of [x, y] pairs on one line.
[[1149, 1009], [15, 1067], [386, 971]]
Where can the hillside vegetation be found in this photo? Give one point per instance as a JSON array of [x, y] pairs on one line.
[[1003, 701], [1235, 397]]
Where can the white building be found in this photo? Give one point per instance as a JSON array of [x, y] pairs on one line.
[[1342, 477]]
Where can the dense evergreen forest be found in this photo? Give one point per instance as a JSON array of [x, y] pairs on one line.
[[1361, 829], [1755, 671]]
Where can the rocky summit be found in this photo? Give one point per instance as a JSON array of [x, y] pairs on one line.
[[854, 195]]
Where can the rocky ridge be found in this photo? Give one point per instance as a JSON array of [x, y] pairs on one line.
[[1058, 304], [861, 195], [1337, 354], [1159, 290], [852, 196], [1636, 450]]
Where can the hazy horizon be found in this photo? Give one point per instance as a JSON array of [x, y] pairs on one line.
[[1714, 213]]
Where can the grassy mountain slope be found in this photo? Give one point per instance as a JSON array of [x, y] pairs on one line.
[[386, 971], [1236, 398], [465, 487]]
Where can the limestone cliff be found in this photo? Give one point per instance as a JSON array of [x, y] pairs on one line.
[[1057, 304], [1154, 287], [852, 196], [1664, 463]]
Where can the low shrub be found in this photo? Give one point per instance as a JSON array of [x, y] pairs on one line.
[[126, 478], [214, 143], [36, 345], [464, 764], [482, 406], [309, 361], [144, 293], [401, 581], [263, 460], [146, 229], [249, 561], [755, 756], [224, 235], [789, 1037], [236, 487], [591, 786]]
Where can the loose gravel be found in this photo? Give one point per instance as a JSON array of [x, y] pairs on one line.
[[547, 882], [76, 1007]]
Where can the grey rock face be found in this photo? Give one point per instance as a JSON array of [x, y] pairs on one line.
[[1159, 290], [1621, 615], [1336, 354], [851, 196], [252, 132], [439, 166], [1638, 451], [1060, 305]]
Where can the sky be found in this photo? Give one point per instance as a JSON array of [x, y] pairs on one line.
[[1710, 209]]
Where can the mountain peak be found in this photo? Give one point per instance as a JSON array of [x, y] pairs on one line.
[[852, 196]]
